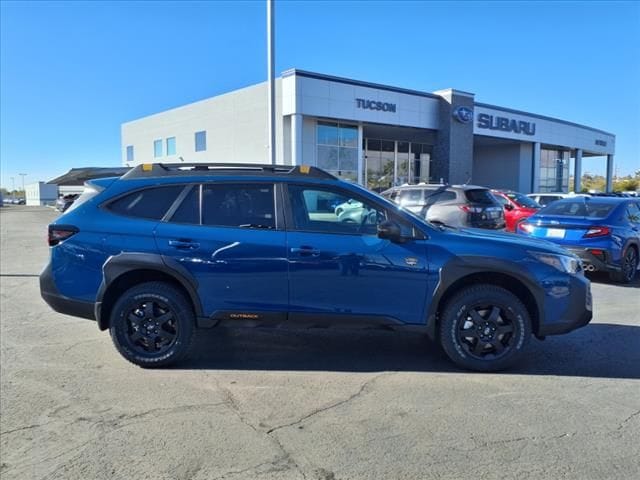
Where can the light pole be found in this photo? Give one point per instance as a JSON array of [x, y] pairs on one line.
[[271, 85], [13, 187], [23, 190]]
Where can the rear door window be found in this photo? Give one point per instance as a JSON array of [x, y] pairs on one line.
[[239, 205], [189, 210], [410, 197], [633, 213], [433, 196], [150, 203]]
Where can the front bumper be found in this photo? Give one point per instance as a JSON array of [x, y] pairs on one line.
[[577, 313], [60, 303]]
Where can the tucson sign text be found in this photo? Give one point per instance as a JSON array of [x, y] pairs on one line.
[[374, 105]]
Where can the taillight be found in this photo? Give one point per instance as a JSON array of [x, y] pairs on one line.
[[59, 233], [597, 232], [525, 227], [470, 209]]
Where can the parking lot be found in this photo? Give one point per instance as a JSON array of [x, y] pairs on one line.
[[312, 405]]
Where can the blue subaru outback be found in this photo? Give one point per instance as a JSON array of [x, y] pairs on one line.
[[166, 249]]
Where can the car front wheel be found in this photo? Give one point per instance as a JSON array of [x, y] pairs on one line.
[[484, 328], [152, 325]]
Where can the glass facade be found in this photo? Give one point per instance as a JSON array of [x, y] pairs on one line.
[[388, 163], [554, 170], [338, 149]]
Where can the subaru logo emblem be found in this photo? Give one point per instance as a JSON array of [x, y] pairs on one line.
[[463, 114]]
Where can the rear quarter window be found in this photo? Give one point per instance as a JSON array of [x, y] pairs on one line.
[[150, 203], [480, 195]]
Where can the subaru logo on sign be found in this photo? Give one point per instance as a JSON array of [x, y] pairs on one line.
[[463, 114]]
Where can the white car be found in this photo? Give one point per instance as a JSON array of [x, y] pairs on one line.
[[545, 199], [350, 204]]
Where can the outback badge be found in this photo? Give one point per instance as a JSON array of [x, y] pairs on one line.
[[411, 261]]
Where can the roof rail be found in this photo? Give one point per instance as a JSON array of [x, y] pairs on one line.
[[147, 170]]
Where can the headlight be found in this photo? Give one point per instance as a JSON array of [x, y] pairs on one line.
[[564, 263]]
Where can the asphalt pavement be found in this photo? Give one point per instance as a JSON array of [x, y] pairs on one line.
[[252, 404]]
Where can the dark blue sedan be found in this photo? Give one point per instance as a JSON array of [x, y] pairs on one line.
[[603, 232]]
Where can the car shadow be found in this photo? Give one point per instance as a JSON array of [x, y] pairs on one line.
[[597, 350], [603, 278]]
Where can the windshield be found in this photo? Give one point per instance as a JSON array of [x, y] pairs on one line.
[[522, 200], [578, 208]]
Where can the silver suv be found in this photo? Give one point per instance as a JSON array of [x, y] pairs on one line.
[[455, 205]]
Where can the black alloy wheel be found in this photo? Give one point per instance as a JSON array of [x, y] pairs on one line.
[[152, 324], [151, 327], [484, 328], [628, 268], [487, 331]]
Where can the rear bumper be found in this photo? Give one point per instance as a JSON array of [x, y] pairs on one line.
[[578, 312], [60, 303], [592, 262]]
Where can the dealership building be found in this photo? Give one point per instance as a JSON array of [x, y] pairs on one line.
[[376, 135]]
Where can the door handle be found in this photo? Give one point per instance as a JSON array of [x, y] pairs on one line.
[[184, 244], [306, 251]]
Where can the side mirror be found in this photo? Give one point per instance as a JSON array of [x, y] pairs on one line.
[[390, 231], [508, 206]]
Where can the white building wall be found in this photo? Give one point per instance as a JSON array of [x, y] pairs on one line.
[[236, 126], [333, 99], [549, 132], [41, 193]]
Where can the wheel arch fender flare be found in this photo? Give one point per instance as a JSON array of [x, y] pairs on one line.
[[462, 271], [118, 265]]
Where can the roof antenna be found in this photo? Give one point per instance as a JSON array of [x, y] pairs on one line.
[[181, 159]]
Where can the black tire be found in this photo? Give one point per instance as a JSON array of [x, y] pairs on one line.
[[484, 328], [152, 325], [628, 266]]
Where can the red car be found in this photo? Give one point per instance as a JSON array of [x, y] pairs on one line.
[[517, 207]]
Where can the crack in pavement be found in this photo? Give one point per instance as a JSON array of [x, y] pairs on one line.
[[329, 407], [27, 427], [285, 457], [106, 426], [627, 420]]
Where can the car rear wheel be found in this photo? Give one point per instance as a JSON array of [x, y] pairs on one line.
[[152, 325], [628, 268], [484, 328]]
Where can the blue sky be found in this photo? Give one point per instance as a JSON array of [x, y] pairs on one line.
[[72, 72]]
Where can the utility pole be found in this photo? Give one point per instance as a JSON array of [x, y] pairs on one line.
[[22, 175], [13, 186], [271, 95]]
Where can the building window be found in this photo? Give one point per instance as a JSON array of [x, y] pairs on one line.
[[338, 149], [201, 141], [157, 148], [129, 153], [554, 171], [171, 146]]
